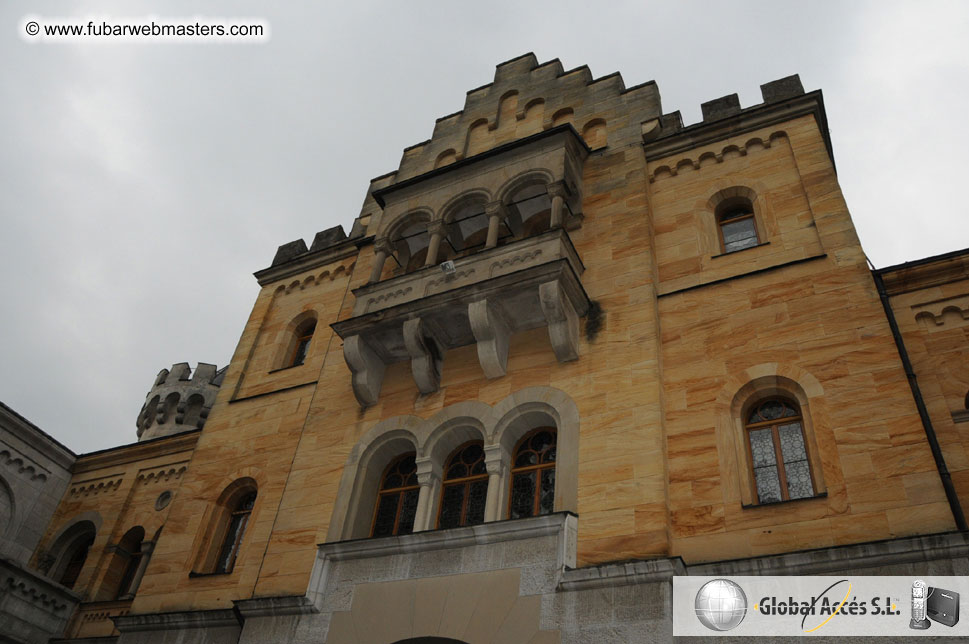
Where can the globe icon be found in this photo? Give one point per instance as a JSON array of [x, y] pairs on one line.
[[720, 605]]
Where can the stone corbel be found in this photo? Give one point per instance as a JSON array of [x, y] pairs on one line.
[[367, 369], [563, 321], [557, 192], [491, 333], [426, 355]]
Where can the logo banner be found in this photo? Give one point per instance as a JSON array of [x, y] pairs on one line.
[[840, 606]]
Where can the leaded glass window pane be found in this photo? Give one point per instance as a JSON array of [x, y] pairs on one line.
[[408, 510], [522, 495], [792, 442], [383, 524], [476, 502], [451, 503], [799, 484], [762, 447], [739, 234], [546, 499], [768, 484]]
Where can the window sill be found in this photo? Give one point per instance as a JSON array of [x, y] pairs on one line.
[[740, 250], [195, 575], [292, 366], [748, 506]]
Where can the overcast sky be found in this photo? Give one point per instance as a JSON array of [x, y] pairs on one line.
[[142, 184]]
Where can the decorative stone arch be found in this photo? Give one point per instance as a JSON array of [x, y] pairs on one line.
[[8, 511], [751, 386], [459, 238], [390, 239], [215, 518], [65, 542], [447, 430], [290, 334], [365, 465], [594, 133], [528, 409], [515, 185], [729, 193]]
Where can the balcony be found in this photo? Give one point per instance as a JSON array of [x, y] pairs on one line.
[[488, 296]]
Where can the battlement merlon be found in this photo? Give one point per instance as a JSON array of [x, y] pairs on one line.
[[783, 99]]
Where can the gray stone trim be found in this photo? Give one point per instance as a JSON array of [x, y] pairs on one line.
[[893, 552], [632, 572], [176, 620], [311, 261], [272, 606], [38, 588]]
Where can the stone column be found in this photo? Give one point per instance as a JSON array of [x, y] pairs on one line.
[[429, 478], [437, 230], [497, 466], [146, 549], [557, 192], [383, 250], [495, 211]]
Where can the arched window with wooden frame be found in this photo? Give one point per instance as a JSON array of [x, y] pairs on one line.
[[303, 337], [532, 486], [239, 515], [465, 488], [397, 499], [737, 224], [778, 455]]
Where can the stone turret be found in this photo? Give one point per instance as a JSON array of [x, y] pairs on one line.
[[179, 401]]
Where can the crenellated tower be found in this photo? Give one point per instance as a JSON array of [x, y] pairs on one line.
[[179, 400]]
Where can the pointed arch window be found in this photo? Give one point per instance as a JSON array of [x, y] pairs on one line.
[[533, 475], [397, 499], [465, 487], [778, 456]]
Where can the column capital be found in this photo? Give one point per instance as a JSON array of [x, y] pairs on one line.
[[495, 461], [495, 209], [557, 189], [428, 471], [383, 245], [437, 227]]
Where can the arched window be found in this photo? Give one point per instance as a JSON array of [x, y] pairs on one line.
[[778, 455], [410, 246], [467, 229], [465, 487], [533, 475], [235, 531], [737, 225], [74, 563], [531, 206], [397, 499], [301, 346], [120, 580]]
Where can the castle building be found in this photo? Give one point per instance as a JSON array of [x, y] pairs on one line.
[[570, 349]]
